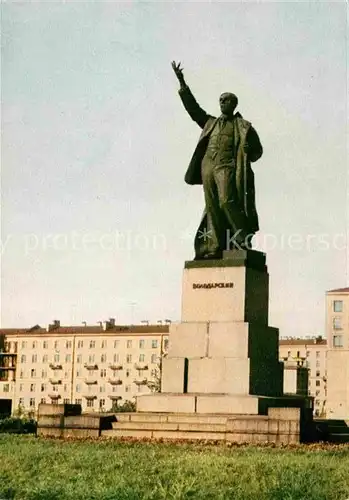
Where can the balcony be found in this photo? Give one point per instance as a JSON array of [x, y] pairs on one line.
[[91, 366], [55, 381], [55, 366], [7, 361], [141, 366], [115, 366], [90, 381], [142, 381], [115, 381], [114, 397], [54, 396], [90, 396]]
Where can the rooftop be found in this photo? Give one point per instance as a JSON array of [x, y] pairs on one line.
[[303, 341], [339, 290], [110, 328]]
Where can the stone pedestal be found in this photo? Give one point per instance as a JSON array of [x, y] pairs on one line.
[[223, 357], [223, 345]]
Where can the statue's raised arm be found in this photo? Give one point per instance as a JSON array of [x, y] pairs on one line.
[[194, 110]]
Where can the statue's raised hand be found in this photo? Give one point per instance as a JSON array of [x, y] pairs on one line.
[[178, 71]]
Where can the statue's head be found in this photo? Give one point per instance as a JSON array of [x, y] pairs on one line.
[[228, 103]]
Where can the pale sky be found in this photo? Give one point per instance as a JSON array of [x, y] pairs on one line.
[[96, 218]]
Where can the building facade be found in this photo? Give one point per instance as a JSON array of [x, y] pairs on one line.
[[310, 353], [90, 365], [337, 326]]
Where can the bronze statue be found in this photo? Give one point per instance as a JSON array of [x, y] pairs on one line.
[[222, 164]]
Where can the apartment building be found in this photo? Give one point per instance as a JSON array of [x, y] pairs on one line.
[[337, 327], [94, 366], [311, 353]]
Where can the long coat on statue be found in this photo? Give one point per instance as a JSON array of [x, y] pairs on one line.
[[244, 134]]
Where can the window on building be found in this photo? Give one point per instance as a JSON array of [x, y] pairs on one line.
[[288, 354], [78, 401], [6, 387], [32, 373], [116, 358], [43, 400], [318, 373], [317, 393], [21, 386], [45, 358], [21, 374], [153, 372], [24, 344], [165, 344], [56, 344], [77, 388], [45, 344], [129, 344], [80, 344], [337, 340], [68, 344], [65, 388], [103, 358], [317, 402], [79, 358], [90, 403], [308, 354], [102, 388], [115, 388], [34, 344], [103, 372], [68, 358], [55, 388], [92, 344], [43, 387], [66, 401], [32, 402], [338, 306], [127, 388], [102, 403], [23, 358], [141, 358], [104, 344], [78, 373], [91, 358], [154, 358], [21, 401], [32, 387], [318, 364], [317, 383], [154, 344], [141, 343], [56, 358], [43, 374], [129, 358], [337, 323], [116, 344], [34, 358]]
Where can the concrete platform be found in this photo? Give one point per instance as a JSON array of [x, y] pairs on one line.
[[231, 428]]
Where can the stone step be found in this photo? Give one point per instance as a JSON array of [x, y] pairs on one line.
[[164, 434], [339, 438], [203, 436], [170, 426], [182, 417]]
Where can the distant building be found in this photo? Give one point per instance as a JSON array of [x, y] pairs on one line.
[[337, 326], [90, 365], [308, 353]]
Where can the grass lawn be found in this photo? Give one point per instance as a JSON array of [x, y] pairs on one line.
[[33, 468]]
